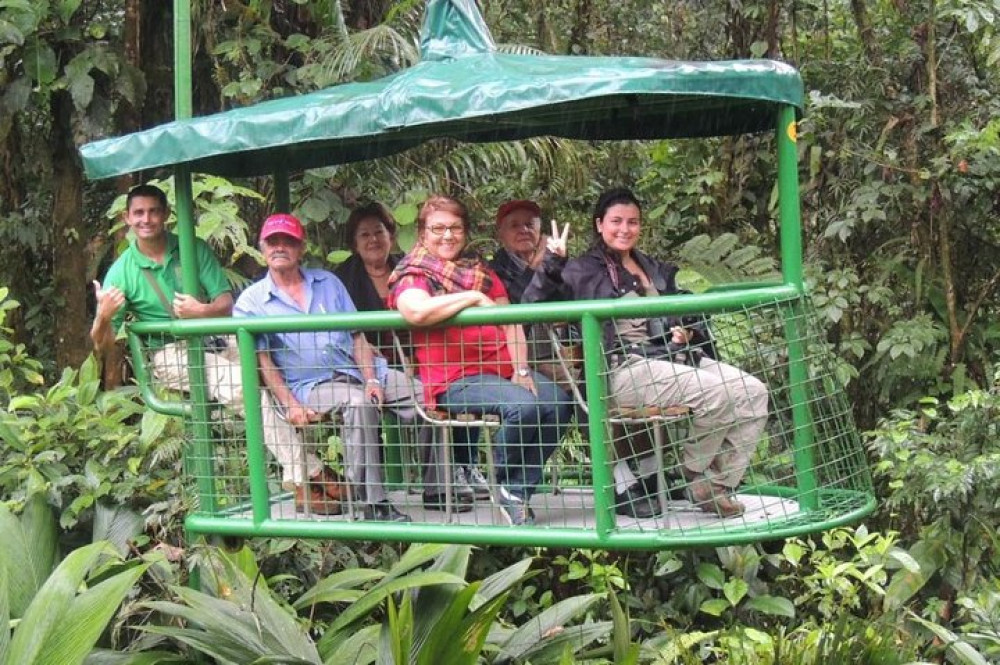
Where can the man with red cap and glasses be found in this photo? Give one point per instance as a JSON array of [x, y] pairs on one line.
[[313, 373], [145, 283]]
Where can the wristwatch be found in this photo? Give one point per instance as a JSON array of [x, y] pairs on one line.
[[523, 372]]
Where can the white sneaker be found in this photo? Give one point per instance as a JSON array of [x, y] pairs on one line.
[[477, 482]]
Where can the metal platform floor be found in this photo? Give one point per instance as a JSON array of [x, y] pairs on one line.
[[567, 509]]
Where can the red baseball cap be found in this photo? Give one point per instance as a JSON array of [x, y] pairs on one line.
[[520, 204], [282, 223]]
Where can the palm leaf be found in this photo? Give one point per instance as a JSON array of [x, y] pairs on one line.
[[339, 587], [381, 44], [459, 636], [117, 525], [61, 627], [29, 551], [4, 616], [87, 617], [108, 657], [535, 633], [367, 603], [359, 648], [500, 582], [570, 639]]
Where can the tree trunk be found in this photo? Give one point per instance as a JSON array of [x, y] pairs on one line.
[[773, 16], [865, 32], [69, 236], [128, 121], [578, 39]]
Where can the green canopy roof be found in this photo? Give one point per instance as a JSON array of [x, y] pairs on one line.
[[465, 89]]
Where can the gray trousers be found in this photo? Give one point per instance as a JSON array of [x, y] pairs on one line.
[[729, 411], [360, 435]]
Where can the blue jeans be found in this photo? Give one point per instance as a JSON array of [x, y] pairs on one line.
[[531, 427]]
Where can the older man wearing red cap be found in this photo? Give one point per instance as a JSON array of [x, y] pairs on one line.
[[522, 247], [313, 373]]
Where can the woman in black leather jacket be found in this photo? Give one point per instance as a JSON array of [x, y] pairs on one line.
[[662, 362]]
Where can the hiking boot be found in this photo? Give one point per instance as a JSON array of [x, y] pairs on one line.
[[515, 509], [712, 498], [331, 484], [311, 498]]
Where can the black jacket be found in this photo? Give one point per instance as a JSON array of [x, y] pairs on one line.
[[598, 275], [365, 297]]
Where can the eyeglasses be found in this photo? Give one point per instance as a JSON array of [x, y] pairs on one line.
[[442, 229]]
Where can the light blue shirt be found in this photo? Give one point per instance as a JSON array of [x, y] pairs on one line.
[[306, 358]]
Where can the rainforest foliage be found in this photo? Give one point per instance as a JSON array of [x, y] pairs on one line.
[[899, 165]]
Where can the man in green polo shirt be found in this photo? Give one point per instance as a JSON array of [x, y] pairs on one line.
[[145, 281]]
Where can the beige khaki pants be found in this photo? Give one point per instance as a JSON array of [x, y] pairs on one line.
[[224, 384], [729, 410]]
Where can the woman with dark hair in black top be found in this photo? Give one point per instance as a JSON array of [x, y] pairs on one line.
[[370, 234]]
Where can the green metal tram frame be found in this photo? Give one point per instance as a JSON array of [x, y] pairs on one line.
[[705, 99]]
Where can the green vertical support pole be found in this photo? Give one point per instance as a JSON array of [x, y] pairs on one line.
[[201, 443], [259, 499], [593, 361], [282, 192], [392, 454], [791, 265]]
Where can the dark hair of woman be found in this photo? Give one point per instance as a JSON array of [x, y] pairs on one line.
[[611, 197], [363, 212]]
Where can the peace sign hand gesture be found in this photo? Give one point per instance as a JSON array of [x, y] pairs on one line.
[[556, 243]]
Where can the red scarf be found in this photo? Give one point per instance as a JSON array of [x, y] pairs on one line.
[[464, 274]]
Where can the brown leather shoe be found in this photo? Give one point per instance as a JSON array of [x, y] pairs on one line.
[[318, 502], [330, 483], [713, 498]]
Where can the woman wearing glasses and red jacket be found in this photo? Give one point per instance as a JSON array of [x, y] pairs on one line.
[[479, 369]]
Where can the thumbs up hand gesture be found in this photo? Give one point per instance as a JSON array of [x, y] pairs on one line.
[[109, 300]]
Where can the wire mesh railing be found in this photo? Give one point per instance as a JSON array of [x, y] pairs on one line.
[[601, 444]]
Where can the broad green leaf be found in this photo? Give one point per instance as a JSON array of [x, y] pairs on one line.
[[734, 590], [107, 657], [152, 427], [405, 214], [90, 371], [23, 402], [773, 605], [66, 9], [621, 636], [715, 606], [957, 650], [552, 645], [81, 88], [439, 614], [281, 632], [40, 63], [711, 575]]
